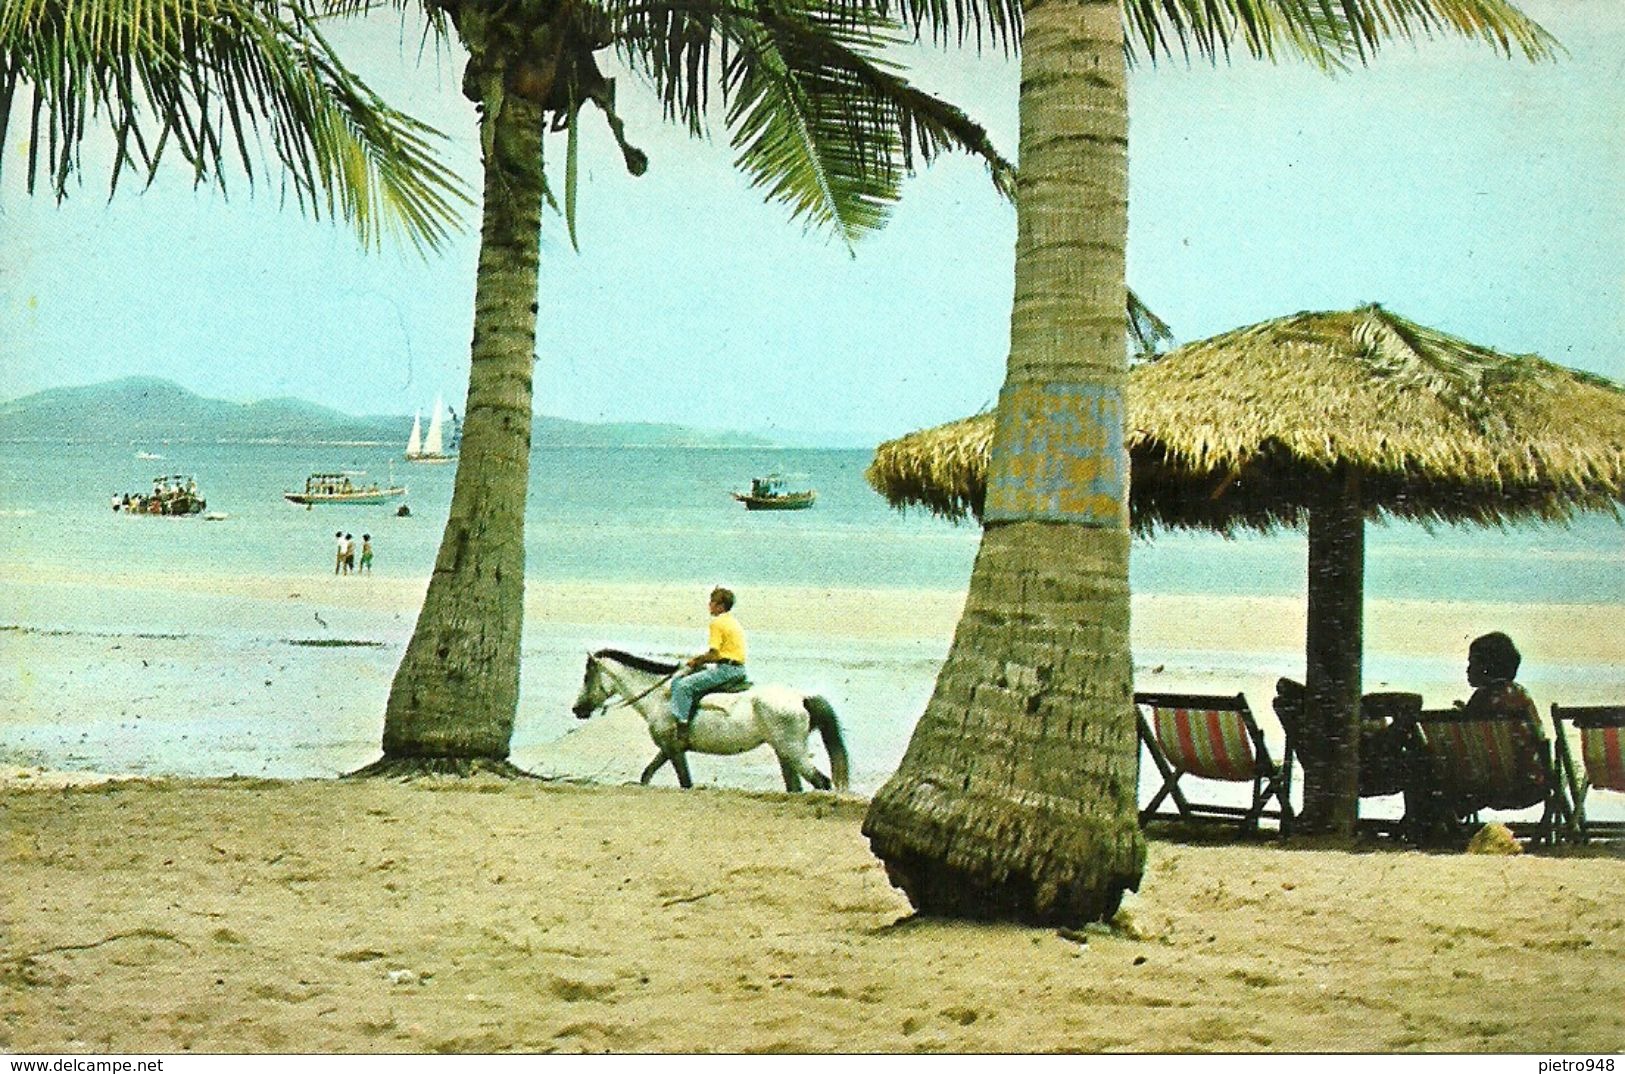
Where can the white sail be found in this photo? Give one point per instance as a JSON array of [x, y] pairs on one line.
[[432, 444], [414, 446]]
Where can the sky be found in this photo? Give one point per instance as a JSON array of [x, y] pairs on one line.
[[1476, 194]]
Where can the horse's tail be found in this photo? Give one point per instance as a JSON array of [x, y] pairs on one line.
[[828, 727]]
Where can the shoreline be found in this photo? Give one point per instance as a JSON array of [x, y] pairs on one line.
[[287, 677], [1559, 633]]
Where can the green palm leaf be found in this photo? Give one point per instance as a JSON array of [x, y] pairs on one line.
[[211, 81], [1147, 332], [809, 135], [816, 116], [1329, 33]]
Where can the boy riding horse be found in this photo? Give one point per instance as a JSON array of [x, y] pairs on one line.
[[721, 665]]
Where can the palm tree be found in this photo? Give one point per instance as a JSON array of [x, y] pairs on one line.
[[1016, 797], [205, 79], [816, 117]]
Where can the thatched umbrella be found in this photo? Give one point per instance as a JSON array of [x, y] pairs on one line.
[[1327, 419]]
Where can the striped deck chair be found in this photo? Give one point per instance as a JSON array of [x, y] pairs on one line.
[[1602, 763], [1215, 738], [1477, 764]]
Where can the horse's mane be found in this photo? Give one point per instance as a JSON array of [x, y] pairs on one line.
[[642, 663]]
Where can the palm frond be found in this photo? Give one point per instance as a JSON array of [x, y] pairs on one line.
[[213, 81], [1317, 30], [1497, 23], [811, 137], [816, 115], [1329, 33], [669, 43], [1147, 332], [572, 151], [981, 23], [927, 124]]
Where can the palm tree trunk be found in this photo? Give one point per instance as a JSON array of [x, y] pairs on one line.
[[1017, 795], [452, 704]]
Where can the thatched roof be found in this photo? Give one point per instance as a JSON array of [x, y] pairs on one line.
[[1245, 429]]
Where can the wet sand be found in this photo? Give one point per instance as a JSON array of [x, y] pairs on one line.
[[286, 676], [1547, 633]]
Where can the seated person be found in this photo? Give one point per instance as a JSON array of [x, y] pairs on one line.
[[1444, 793], [1492, 665]]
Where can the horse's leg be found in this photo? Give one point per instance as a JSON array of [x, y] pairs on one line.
[[654, 766], [679, 761], [792, 779], [814, 776], [796, 769], [789, 741]]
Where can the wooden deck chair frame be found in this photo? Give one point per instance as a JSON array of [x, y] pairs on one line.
[[1379, 776], [1269, 781], [1553, 809], [1602, 752]]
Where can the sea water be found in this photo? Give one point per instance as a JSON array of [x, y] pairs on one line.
[[650, 515], [664, 515]]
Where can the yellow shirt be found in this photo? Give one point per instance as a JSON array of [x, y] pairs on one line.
[[727, 638]]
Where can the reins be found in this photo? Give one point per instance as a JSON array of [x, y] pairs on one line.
[[652, 689], [658, 684]]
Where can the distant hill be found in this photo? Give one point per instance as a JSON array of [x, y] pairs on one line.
[[142, 410]]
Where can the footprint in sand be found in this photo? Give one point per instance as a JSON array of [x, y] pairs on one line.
[[576, 990], [599, 1037]]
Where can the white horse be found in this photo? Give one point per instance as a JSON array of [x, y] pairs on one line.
[[724, 723]]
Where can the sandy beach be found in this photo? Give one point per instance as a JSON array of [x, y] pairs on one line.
[[255, 914], [246, 915]]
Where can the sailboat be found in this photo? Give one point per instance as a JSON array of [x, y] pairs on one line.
[[414, 443], [431, 446]]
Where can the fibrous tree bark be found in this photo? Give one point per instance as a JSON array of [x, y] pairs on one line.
[[1016, 797], [451, 707]]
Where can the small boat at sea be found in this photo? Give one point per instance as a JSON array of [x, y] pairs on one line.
[[773, 493], [342, 487], [147, 456], [436, 445], [172, 494]]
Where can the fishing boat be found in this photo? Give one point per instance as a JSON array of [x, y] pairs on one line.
[[434, 445], [172, 494], [342, 487], [773, 493]]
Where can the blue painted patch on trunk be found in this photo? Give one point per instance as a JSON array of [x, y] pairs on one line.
[[1058, 455]]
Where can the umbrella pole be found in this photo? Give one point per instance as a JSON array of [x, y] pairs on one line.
[[1333, 644]]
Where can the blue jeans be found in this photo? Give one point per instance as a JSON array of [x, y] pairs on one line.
[[687, 688]]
